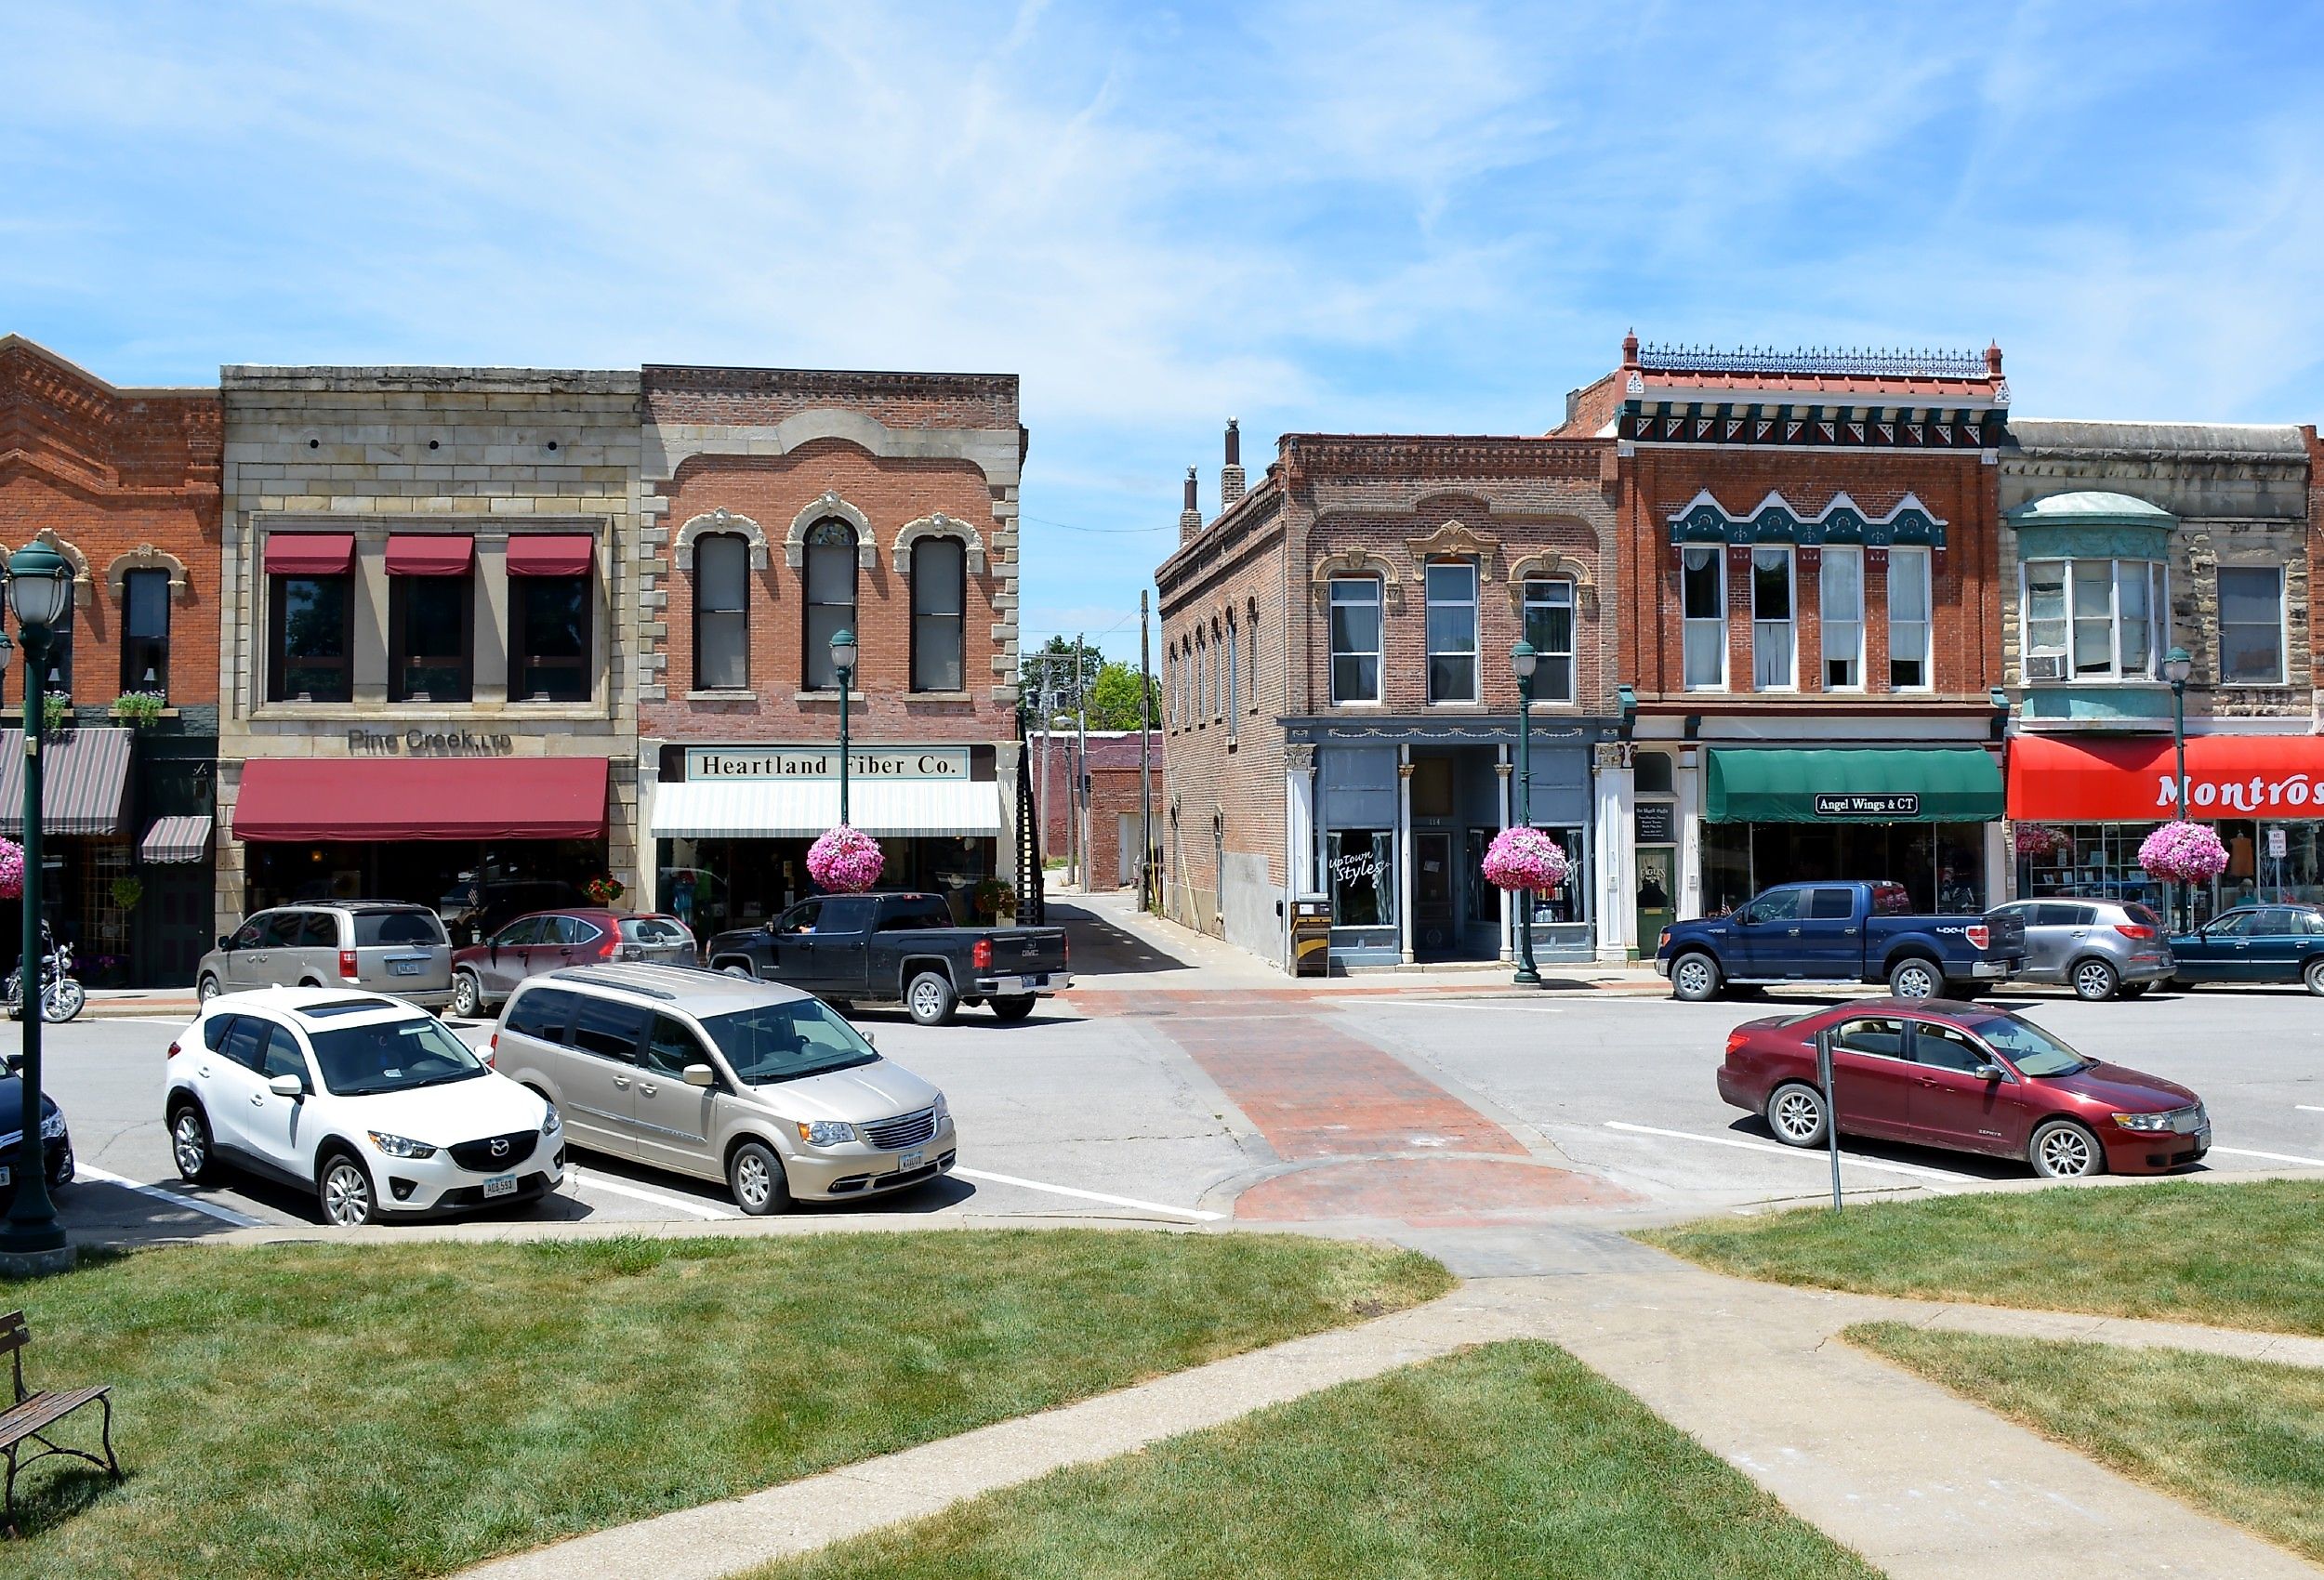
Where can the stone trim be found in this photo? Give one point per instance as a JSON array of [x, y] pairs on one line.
[[83, 586], [670, 445], [720, 521], [145, 557], [828, 506], [1552, 564], [937, 525], [1454, 541], [1357, 562]]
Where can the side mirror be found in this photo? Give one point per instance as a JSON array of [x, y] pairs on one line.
[[13, 1059], [1988, 1073], [287, 1087], [225, 945], [701, 1075], [869, 1041]]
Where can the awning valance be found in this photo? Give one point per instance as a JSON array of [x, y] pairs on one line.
[[83, 775], [550, 554], [2136, 781], [310, 554], [175, 839], [801, 808], [1851, 784], [317, 799], [430, 554]]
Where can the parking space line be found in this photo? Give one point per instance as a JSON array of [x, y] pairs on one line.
[[1194, 1215], [1461, 1004], [2308, 1108], [598, 1183], [1801, 1153], [224, 1215], [2272, 1157]]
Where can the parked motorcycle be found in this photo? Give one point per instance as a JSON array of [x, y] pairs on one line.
[[61, 997]]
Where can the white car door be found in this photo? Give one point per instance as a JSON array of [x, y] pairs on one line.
[[280, 1129], [227, 1081]]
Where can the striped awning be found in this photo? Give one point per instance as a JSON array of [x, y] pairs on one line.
[[176, 839], [801, 808], [83, 775]]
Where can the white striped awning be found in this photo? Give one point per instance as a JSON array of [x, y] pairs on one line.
[[176, 839], [801, 808]]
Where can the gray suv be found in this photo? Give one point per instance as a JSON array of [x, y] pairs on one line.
[[381, 945], [2099, 948]]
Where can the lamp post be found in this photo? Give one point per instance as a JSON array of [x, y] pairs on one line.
[[40, 590], [2177, 665], [843, 665], [1522, 659]]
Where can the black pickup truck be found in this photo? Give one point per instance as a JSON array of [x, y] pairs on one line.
[[898, 948]]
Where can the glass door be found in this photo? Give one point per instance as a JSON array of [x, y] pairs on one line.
[[1433, 926], [1657, 884]]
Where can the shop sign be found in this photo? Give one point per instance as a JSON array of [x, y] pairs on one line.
[[822, 762], [2279, 845], [2228, 776], [1359, 869], [1657, 822], [429, 743], [1894, 806]]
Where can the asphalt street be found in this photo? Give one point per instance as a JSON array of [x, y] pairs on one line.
[[1116, 1105]]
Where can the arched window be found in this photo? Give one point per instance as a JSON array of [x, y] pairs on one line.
[[721, 613], [1233, 679], [1250, 635], [830, 567], [1222, 652], [940, 602]]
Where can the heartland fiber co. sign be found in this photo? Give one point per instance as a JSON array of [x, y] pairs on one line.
[[822, 762]]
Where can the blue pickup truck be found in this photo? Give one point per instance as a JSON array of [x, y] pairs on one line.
[[1841, 932]]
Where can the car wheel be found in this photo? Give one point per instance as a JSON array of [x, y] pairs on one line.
[[755, 1175], [468, 995], [1016, 1007], [931, 999], [1915, 979], [2094, 980], [190, 1145], [2063, 1150], [1695, 978], [206, 989], [2313, 977], [344, 1189], [1795, 1112]]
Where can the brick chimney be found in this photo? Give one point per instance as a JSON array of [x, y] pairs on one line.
[[1190, 519], [1993, 359], [1231, 475]]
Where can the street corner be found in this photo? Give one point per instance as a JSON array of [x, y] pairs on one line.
[[1427, 1193]]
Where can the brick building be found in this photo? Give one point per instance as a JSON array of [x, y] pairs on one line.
[[1809, 619], [785, 506], [125, 485], [1341, 712], [1109, 764]]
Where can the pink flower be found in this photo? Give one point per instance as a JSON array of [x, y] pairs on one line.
[[2184, 852], [1524, 858], [11, 870], [845, 861]]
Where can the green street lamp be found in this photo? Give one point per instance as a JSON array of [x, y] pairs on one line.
[[1522, 660], [2177, 665], [843, 665], [33, 1240]]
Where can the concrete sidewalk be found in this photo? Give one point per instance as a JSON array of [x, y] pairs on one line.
[[1924, 1485]]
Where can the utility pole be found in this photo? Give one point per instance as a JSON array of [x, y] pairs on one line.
[[1080, 803], [1145, 762]]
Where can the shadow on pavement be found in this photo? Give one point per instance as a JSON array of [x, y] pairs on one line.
[[1868, 1148], [1101, 948]]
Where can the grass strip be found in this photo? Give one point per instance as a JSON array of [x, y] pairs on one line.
[[346, 1410], [2243, 1439], [1513, 1459], [2245, 1256]]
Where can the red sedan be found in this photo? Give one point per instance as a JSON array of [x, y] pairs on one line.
[[1962, 1076]]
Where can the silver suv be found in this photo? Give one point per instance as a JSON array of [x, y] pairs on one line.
[[382, 945], [2097, 947], [761, 1086]]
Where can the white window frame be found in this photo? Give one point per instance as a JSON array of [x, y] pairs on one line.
[[2157, 575], [2283, 636], [1692, 626], [1927, 623], [1572, 605], [1781, 636], [1854, 654], [1475, 655], [1378, 605]]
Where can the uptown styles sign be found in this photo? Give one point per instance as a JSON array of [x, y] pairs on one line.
[[2228, 776], [822, 762]]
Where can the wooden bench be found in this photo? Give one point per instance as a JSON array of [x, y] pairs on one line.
[[29, 1418]]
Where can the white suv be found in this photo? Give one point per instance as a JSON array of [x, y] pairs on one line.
[[372, 1104]]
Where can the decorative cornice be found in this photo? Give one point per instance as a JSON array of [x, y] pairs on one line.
[[1309, 457], [1357, 562], [1453, 541], [145, 557], [1776, 519]]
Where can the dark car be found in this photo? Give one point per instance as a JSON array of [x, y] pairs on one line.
[[485, 974], [890, 948], [1940, 1074], [2254, 944], [1839, 933], [54, 1136], [475, 911]]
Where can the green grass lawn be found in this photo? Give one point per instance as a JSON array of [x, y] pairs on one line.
[[2242, 1440], [1509, 1460], [2236, 1256], [343, 1411]]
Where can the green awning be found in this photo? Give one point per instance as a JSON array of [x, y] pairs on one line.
[[1853, 785]]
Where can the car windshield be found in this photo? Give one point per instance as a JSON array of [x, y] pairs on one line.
[[2034, 1051], [785, 1042], [391, 1055]]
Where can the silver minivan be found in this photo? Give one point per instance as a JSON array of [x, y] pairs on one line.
[[381, 945], [2099, 948], [762, 1086]]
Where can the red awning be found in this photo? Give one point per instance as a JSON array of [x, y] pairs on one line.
[[430, 554], [550, 554], [314, 799], [2120, 781], [310, 554]]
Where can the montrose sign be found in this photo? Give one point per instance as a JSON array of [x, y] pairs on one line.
[[2228, 776]]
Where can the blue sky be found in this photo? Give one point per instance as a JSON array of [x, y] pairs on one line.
[[1433, 218]]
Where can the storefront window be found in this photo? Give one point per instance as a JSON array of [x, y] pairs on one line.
[[309, 662], [1360, 864], [1703, 595], [1355, 640], [1940, 865], [1549, 627], [2093, 619], [2270, 862]]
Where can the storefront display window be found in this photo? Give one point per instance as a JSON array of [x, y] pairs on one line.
[[2093, 619], [1941, 865], [2273, 862], [1360, 867]]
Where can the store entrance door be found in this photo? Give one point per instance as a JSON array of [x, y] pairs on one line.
[[1435, 930], [1658, 881]]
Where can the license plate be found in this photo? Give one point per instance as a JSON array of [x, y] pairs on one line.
[[501, 1185], [5, 1176], [407, 967], [908, 1162]]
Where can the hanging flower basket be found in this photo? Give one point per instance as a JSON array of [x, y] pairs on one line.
[[2040, 840], [995, 897], [2184, 852], [11, 870], [1525, 858], [845, 861], [605, 889]]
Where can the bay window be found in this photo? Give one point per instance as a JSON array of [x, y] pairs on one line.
[[1839, 606], [1773, 644], [2093, 619], [2251, 625], [1549, 627], [1909, 623], [1355, 638], [1703, 599], [1452, 633]]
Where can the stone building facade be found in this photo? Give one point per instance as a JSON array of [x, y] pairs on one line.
[[783, 507], [125, 485], [428, 668]]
